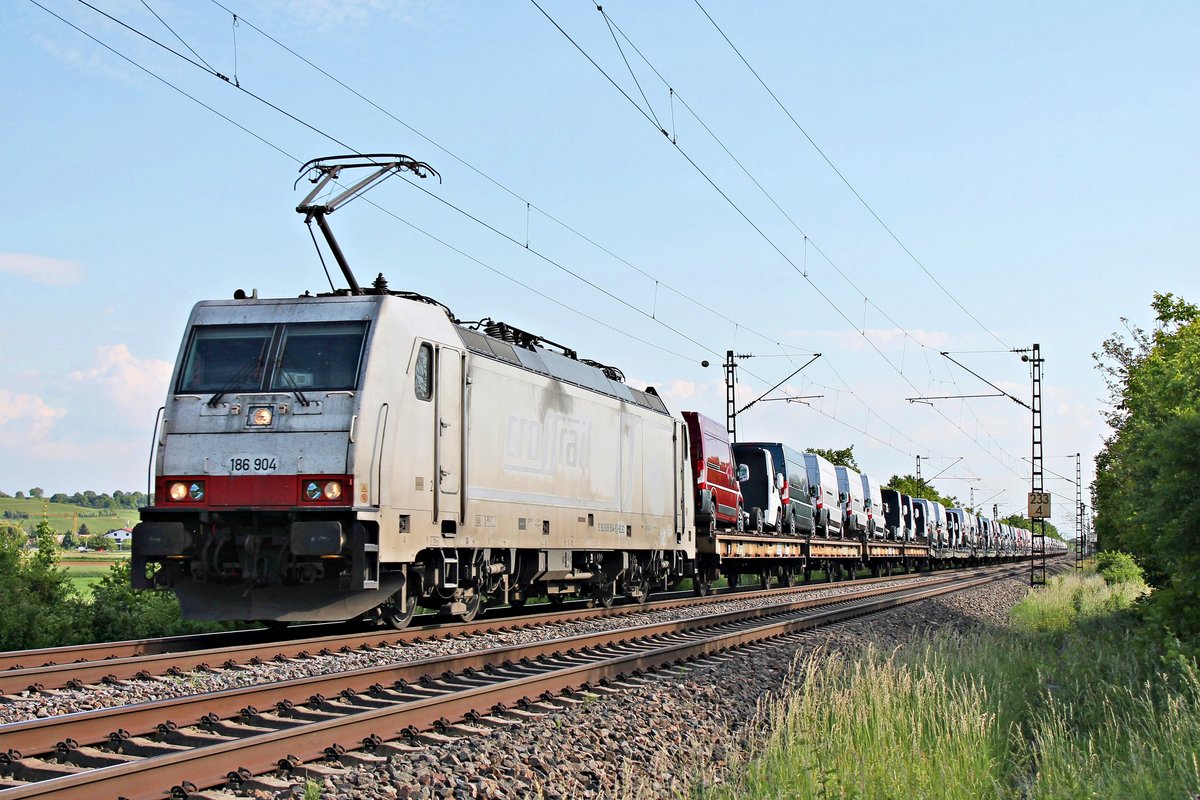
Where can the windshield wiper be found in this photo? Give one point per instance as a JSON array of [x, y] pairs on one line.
[[285, 360], [234, 382]]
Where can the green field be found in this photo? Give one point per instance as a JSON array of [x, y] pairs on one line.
[[85, 576], [65, 517]]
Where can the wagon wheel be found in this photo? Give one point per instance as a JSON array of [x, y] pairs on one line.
[[640, 590], [604, 594], [396, 617], [474, 603]]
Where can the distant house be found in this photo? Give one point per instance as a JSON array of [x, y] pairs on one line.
[[120, 536]]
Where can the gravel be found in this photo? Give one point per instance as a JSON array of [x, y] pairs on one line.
[[655, 737]]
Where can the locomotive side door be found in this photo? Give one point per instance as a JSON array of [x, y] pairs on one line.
[[448, 435]]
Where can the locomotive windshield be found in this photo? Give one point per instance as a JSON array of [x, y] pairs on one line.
[[261, 358]]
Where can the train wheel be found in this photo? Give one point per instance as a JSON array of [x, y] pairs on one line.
[[517, 602], [556, 600], [785, 576], [605, 594], [274, 624], [396, 617], [734, 579], [641, 593], [474, 603], [701, 586]]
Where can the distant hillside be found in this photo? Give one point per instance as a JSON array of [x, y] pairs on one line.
[[27, 512]]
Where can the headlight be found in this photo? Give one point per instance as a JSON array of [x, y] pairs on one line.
[[312, 490], [261, 416], [333, 490], [322, 490], [180, 491]]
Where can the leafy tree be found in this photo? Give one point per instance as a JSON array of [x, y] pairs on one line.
[[69, 542], [58, 497], [20, 495], [1147, 487], [98, 541], [36, 492], [41, 607], [842, 458], [919, 487]]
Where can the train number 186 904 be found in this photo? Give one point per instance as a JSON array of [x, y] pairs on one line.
[[242, 464]]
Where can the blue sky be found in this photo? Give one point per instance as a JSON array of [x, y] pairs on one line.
[[1038, 159]]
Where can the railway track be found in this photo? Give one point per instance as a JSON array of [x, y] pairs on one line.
[[74, 667], [179, 746]]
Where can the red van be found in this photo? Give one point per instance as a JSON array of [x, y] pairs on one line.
[[718, 493]]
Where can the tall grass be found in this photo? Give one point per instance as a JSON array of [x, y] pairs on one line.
[[1071, 702]]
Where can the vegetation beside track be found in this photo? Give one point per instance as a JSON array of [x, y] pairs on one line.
[[47, 604], [1076, 698]]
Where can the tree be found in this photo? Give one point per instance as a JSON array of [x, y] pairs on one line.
[[98, 541], [842, 458], [36, 492], [83, 532], [41, 607], [69, 542], [19, 495], [1147, 488]]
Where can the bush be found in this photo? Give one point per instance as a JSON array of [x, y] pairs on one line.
[[121, 612], [1117, 567]]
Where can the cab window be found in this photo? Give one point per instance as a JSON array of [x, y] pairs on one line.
[[423, 374], [226, 358]]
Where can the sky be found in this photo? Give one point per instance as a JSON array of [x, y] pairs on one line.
[[905, 179]]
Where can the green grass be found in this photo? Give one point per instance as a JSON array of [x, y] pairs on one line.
[[85, 576], [1072, 701]]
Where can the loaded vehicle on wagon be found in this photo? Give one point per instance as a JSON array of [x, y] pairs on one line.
[[796, 501], [823, 487], [854, 510], [873, 502]]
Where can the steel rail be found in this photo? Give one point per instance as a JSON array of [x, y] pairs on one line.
[[88, 727], [79, 673], [211, 765]]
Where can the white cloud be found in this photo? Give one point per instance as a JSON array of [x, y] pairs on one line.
[[130, 382], [39, 269], [25, 419]]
